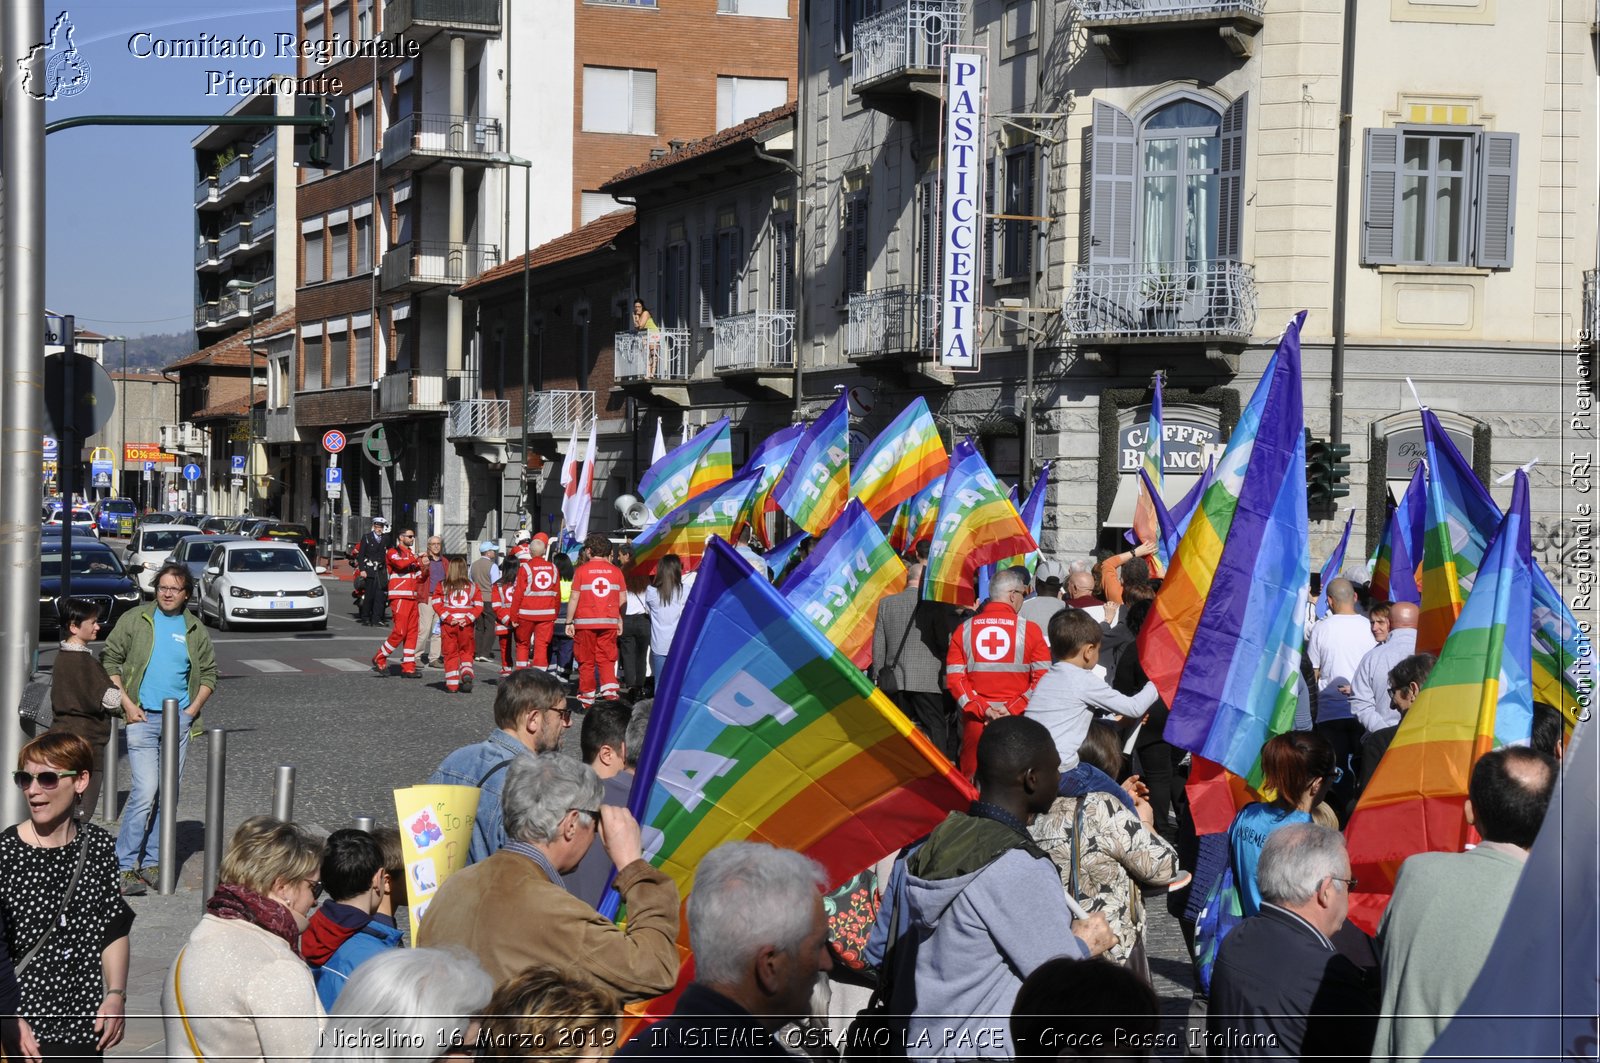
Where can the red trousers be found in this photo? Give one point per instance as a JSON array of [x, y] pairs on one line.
[[508, 649], [971, 731], [459, 641], [534, 636], [595, 650], [404, 632]]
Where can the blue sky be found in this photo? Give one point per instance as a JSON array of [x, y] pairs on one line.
[[120, 201]]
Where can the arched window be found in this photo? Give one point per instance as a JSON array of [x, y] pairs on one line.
[[1180, 150]]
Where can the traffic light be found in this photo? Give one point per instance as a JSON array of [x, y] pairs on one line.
[[1325, 470], [317, 146]]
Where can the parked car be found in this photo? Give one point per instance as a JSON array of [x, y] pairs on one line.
[[82, 521], [116, 516], [214, 525], [261, 583], [149, 547], [298, 534], [193, 552], [96, 575]]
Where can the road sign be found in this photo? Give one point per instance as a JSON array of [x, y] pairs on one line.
[[237, 482], [102, 479], [95, 397], [191, 472], [333, 441], [335, 476], [149, 467], [52, 449], [238, 464]]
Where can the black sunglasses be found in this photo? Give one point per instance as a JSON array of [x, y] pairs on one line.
[[565, 712], [47, 780]]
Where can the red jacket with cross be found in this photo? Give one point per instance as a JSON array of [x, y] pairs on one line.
[[538, 592], [996, 656], [597, 595]]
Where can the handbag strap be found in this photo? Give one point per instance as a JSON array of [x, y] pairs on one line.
[[177, 995], [1077, 847], [883, 993], [66, 901], [904, 635]]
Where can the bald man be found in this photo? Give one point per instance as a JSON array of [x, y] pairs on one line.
[[1369, 693], [1338, 642]]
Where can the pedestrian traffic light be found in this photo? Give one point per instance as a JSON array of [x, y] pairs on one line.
[[1325, 471]]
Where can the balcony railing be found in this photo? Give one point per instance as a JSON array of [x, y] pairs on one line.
[[183, 438], [205, 252], [1108, 11], [205, 315], [280, 427], [1131, 301], [891, 321], [908, 37], [419, 138], [556, 413], [659, 354], [761, 339], [431, 263], [265, 221], [414, 390], [1591, 299], [232, 305], [231, 238], [479, 419], [409, 16], [264, 294], [205, 191], [229, 175], [262, 154]]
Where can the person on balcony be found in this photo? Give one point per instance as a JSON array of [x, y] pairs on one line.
[[643, 322]]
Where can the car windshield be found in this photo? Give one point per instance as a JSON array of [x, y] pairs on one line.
[[84, 563], [119, 508], [197, 551], [287, 531], [152, 541], [267, 561]]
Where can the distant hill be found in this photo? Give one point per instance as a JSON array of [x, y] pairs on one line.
[[152, 350]]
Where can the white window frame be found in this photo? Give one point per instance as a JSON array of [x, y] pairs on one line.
[[597, 80], [730, 112]]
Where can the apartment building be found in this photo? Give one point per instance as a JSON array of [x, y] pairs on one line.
[[479, 130], [1162, 193]]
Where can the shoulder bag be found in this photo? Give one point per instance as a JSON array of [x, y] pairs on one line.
[[875, 1033]]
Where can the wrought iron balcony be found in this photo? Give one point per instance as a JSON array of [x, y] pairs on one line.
[[205, 191], [1591, 302], [1162, 301], [412, 391], [422, 19], [556, 413], [1110, 21], [424, 264], [895, 48], [757, 341], [205, 252], [419, 140], [661, 354], [486, 419], [232, 237], [890, 321]]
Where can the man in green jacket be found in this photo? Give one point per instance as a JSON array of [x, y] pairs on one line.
[[158, 651]]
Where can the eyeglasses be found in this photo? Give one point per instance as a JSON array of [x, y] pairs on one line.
[[316, 887], [592, 813], [1349, 883], [47, 780], [564, 711], [166, 588]]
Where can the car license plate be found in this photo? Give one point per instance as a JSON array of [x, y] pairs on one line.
[[281, 603]]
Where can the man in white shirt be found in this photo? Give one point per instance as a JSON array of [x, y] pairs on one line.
[[1337, 644], [1369, 699]]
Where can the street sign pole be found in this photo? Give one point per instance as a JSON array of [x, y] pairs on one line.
[[69, 447]]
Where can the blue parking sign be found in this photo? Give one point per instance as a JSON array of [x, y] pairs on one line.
[[238, 463], [335, 475]]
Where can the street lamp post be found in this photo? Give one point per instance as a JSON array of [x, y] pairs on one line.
[[122, 401], [244, 288]]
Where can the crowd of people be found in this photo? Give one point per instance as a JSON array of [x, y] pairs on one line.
[[1016, 928]]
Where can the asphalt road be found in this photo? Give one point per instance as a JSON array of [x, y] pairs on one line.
[[308, 699]]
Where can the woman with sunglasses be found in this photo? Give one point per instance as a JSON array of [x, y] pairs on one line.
[[238, 991], [82, 695], [66, 924]]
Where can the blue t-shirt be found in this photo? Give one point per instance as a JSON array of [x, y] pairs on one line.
[[1246, 837], [167, 675]]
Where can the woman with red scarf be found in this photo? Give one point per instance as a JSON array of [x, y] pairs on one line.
[[239, 990]]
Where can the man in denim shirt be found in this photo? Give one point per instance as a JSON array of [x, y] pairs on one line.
[[530, 715]]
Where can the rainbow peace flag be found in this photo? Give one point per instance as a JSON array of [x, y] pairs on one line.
[[816, 484], [914, 519], [1479, 697], [906, 457], [764, 731], [773, 456], [839, 584], [977, 524], [1330, 569], [687, 530], [1223, 640], [1146, 520], [777, 558], [689, 468], [1461, 518], [1394, 574], [1175, 521]]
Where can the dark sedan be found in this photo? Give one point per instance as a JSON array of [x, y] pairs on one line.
[[96, 575]]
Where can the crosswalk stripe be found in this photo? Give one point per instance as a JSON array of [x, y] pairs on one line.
[[343, 664], [270, 666]]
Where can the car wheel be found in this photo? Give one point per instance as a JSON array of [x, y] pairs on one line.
[[205, 618], [223, 623]]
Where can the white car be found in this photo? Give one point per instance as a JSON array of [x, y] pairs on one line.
[[261, 583], [149, 548], [82, 521]]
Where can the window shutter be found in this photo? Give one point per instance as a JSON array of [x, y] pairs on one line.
[[931, 251], [1230, 206], [1380, 197], [708, 279], [1113, 166], [643, 117], [1030, 204], [1497, 200], [783, 262], [991, 245], [855, 244]]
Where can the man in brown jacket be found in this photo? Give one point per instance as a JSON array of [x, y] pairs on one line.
[[512, 910]]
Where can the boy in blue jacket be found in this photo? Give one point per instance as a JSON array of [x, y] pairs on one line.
[[349, 928]]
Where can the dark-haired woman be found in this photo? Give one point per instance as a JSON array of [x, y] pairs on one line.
[[66, 923], [82, 695], [665, 598]]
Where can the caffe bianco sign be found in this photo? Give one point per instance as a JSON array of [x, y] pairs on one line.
[[1186, 442]]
